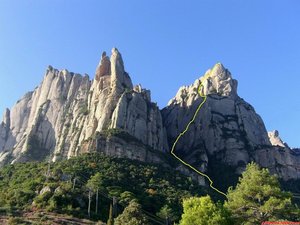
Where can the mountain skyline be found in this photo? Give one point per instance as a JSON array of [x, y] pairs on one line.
[[259, 50]]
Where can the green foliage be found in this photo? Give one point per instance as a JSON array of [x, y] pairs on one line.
[[154, 186], [121, 134], [126, 197], [203, 211], [35, 149], [258, 197], [95, 182], [228, 178], [132, 215], [167, 211], [84, 110]]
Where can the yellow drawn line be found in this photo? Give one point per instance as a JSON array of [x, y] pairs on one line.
[[185, 130]]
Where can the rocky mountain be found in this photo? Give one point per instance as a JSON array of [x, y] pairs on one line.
[[61, 117], [69, 114], [227, 131]]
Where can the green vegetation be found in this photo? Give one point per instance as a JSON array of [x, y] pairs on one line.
[[157, 189], [132, 215], [258, 197], [123, 191], [203, 211], [35, 149], [84, 110]]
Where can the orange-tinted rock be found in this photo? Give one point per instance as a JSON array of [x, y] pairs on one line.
[[103, 68]]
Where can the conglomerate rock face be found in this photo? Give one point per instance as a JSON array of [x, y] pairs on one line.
[[226, 128], [68, 109], [69, 114]]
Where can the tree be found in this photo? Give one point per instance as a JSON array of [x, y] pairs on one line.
[[258, 197], [132, 215], [126, 197], [203, 211], [110, 220], [167, 211], [95, 183]]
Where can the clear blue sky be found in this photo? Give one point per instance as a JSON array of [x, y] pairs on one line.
[[165, 44]]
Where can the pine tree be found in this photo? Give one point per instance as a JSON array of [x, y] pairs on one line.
[[258, 197], [132, 215], [95, 183]]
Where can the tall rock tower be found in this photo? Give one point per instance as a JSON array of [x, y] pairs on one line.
[[61, 116]]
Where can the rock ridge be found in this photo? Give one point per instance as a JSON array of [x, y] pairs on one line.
[[68, 113]]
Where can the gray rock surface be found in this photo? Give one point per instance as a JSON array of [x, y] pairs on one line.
[[67, 109], [227, 128], [68, 114]]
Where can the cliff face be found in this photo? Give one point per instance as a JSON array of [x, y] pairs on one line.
[[227, 128], [39, 121], [68, 109], [69, 114]]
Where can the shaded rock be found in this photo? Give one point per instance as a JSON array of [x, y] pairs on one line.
[[119, 78], [103, 67], [227, 128]]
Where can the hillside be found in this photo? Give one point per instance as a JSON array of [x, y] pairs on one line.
[[28, 187]]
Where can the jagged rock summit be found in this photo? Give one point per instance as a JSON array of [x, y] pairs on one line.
[[69, 114], [219, 82], [227, 130], [62, 117]]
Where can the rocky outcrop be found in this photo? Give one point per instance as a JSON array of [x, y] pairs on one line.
[[139, 117], [219, 81], [227, 128], [103, 67], [283, 161], [5, 130], [41, 120], [119, 78], [67, 109], [69, 114], [127, 147], [275, 139]]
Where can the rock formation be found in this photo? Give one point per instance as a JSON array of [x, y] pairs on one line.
[[227, 128], [275, 139], [103, 67], [69, 114], [66, 111]]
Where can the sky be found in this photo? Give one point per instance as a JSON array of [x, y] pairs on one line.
[[164, 44]]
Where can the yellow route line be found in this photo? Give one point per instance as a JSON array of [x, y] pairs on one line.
[[185, 130]]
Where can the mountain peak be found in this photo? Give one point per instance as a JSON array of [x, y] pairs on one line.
[[119, 78], [219, 81], [103, 67], [218, 69]]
